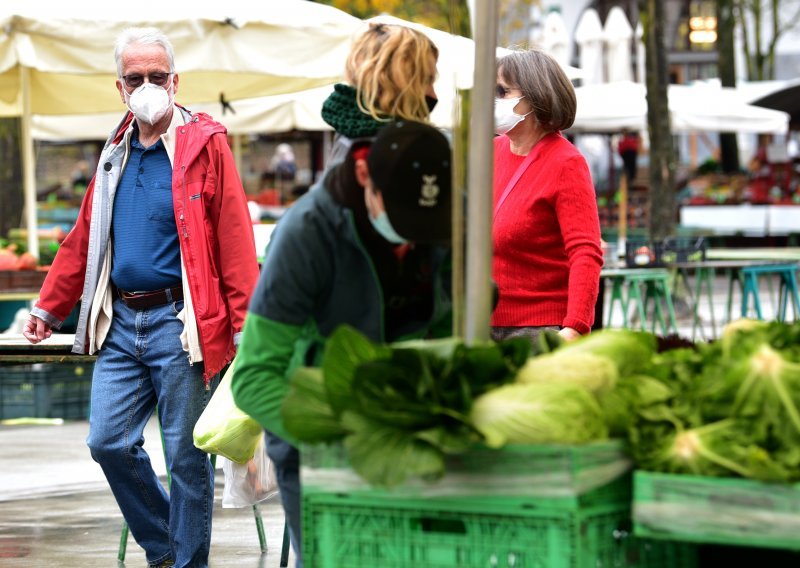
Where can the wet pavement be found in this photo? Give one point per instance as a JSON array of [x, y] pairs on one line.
[[56, 510]]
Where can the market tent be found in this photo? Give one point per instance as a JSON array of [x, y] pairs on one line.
[[786, 99], [57, 58], [610, 107], [260, 115], [63, 52], [720, 109], [292, 111]]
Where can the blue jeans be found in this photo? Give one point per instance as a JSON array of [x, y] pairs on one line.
[[141, 365], [286, 460]]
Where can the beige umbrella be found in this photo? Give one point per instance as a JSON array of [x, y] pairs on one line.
[[617, 33]]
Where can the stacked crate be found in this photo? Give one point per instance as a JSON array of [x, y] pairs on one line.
[[44, 390], [522, 506]]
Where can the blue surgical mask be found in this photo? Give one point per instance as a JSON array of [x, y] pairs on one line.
[[385, 229]]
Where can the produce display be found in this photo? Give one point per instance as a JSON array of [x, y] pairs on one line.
[[729, 408], [400, 408]]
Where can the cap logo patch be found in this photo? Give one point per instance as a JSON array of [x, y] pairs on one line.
[[430, 191]]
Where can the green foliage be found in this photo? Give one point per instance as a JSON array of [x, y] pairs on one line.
[[731, 408], [306, 413], [399, 408], [439, 14]]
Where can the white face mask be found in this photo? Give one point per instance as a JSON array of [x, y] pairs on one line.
[[505, 119], [149, 103]]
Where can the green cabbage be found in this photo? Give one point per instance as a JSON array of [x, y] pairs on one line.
[[538, 413], [594, 372], [630, 350]]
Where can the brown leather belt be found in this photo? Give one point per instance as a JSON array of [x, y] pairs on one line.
[[144, 300]]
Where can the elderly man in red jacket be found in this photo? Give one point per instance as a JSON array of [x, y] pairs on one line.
[[162, 258]]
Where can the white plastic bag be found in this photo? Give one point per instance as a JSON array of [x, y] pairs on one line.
[[225, 430], [249, 483]]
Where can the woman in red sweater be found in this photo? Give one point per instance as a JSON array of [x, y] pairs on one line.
[[546, 232]]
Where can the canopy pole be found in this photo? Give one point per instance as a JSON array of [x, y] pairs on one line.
[[237, 154], [28, 164], [480, 170]]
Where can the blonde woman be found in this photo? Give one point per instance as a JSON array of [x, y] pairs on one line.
[[390, 73]]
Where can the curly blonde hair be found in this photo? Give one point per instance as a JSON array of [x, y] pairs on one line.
[[391, 68]]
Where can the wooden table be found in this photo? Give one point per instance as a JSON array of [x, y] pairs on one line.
[[791, 254], [16, 350]]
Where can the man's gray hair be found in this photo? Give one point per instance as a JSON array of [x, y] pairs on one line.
[[142, 36]]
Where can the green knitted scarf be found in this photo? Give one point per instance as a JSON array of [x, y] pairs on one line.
[[341, 111]]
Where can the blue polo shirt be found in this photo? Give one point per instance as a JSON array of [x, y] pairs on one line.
[[146, 247]]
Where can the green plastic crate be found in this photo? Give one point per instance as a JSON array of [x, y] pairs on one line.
[[716, 510], [346, 530], [575, 474], [46, 391]]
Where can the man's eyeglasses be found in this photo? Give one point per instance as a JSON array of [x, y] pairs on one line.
[[134, 80]]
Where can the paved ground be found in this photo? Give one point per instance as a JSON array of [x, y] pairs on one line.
[[56, 510]]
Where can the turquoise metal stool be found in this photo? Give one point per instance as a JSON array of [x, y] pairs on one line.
[[703, 289], [262, 540], [787, 277], [641, 286]]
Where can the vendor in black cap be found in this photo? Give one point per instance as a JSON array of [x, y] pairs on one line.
[[364, 247]]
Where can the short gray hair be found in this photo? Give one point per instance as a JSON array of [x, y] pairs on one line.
[[142, 36], [544, 84]]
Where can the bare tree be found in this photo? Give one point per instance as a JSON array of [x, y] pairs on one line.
[[663, 208], [754, 17], [726, 23]]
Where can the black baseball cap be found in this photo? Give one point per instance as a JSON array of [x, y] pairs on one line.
[[409, 163]]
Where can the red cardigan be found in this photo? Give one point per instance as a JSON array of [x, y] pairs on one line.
[[546, 234]]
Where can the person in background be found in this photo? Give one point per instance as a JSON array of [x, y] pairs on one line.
[[284, 168], [162, 257], [546, 230], [628, 150], [379, 267], [390, 73]]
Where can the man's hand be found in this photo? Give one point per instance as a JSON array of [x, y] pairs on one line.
[[36, 330], [569, 334]]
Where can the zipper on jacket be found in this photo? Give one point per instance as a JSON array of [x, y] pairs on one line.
[[185, 200], [363, 249]]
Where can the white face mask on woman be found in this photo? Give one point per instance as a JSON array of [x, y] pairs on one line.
[[149, 103], [505, 119]]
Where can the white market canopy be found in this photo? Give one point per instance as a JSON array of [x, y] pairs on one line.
[[610, 107], [298, 110], [261, 115], [236, 49]]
